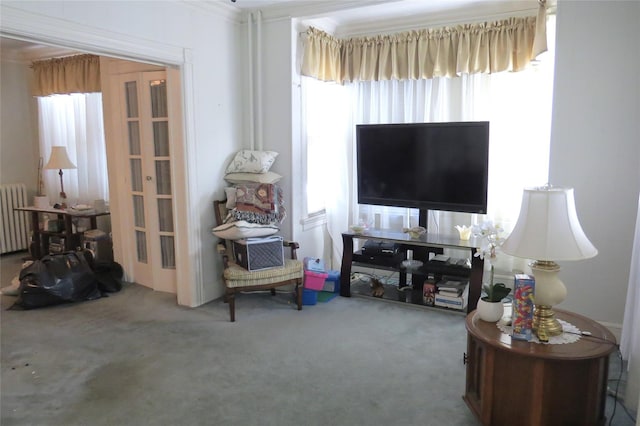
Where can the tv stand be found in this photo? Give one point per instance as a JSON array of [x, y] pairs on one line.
[[423, 218], [422, 248]]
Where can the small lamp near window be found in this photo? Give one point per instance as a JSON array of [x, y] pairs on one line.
[[548, 230], [60, 160]]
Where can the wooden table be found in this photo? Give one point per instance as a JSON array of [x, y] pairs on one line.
[[39, 246], [516, 382]]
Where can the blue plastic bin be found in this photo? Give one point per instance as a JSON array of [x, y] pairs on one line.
[[332, 282], [309, 297]]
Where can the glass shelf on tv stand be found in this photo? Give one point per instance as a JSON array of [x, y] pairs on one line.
[[408, 296], [427, 243]]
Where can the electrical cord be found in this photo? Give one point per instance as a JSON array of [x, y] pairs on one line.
[[615, 392], [612, 393], [615, 395], [588, 335]]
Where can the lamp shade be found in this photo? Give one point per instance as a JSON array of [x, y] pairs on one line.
[[548, 228], [59, 159]]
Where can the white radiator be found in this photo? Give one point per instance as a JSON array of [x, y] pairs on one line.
[[14, 234]]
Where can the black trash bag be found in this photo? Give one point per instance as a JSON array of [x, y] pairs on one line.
[[109, 276], [31, 293], [55, 279]]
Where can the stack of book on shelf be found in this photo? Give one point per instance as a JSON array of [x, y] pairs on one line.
[[452, 294]]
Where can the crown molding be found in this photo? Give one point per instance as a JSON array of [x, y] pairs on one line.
[[493, 12], [224, 10], [281, 10], [302, 8], [21, 25]]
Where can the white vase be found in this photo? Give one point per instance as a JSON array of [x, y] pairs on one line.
[[41, 202], [490, 311]]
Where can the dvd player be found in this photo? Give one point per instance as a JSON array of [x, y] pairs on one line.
[[380, 248]]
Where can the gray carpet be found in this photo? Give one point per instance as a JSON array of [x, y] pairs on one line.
[[136, 358]]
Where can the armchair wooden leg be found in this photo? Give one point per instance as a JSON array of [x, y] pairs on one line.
[[299, 294], [231, 300]]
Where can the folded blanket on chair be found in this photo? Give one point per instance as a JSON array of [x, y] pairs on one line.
[[259, 203]]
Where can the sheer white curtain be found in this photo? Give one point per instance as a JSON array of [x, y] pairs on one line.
[[518, 106], [417, 101], [630, 341], [75, 121], [326, 119]]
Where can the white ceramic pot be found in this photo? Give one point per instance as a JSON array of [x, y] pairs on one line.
[[41, 202], [490, 311]]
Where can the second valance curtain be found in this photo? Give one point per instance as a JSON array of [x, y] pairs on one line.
[[506, 45], [61, 76]]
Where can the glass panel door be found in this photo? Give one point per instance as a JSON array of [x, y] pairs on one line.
[[148, 133], [162, 171]]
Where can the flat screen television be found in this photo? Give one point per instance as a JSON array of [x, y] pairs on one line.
[[428, 166]]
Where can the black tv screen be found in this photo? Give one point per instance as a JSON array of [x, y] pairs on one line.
[[437, 166]]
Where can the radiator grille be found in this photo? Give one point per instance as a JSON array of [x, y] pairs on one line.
[[14, 235]]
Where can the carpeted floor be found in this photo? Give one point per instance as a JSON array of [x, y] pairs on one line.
[[136, 358]]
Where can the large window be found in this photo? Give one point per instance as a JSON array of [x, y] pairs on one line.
[[326, 119], [517, 104], [76, 122]]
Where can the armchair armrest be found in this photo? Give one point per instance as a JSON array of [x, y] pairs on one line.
[[293, 246], [222, 250]]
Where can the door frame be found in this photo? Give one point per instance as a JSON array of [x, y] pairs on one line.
[[51, 31]]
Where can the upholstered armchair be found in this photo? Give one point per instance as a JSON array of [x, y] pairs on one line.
[[238, 279]]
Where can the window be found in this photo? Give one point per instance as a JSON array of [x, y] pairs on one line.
[[518, 105], [75, 121], [325, 120]]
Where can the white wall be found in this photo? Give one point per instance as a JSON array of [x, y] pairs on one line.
[[281, 116], [18, 127], [276, 103], [595, 145], [213, 45]]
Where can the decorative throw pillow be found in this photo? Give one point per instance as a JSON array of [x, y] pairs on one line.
[[243, 229], [248, 161], [259, 203], [231, 197], [268, 177]]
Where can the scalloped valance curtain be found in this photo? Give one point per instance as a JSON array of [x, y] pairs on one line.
[[506, 45], [72, 74]]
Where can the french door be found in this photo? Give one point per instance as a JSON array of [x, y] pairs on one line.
[[149, 196]]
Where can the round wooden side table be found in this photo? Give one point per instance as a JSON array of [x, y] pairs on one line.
[[517, 382]]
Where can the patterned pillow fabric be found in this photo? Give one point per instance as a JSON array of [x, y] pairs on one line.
[[248, 161], [268, 177], [230, 192], [259, 203]]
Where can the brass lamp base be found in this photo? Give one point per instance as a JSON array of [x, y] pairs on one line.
[[544, 321]]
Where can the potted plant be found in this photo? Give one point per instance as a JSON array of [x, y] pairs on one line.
[[490, 307]]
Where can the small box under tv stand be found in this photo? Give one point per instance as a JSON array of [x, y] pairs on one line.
[[422, 248]]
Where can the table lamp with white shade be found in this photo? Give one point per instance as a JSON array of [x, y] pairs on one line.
[[547, 231], [60, 160]]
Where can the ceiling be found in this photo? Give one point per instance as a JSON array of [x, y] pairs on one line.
[[27, 51], [339, 17]]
